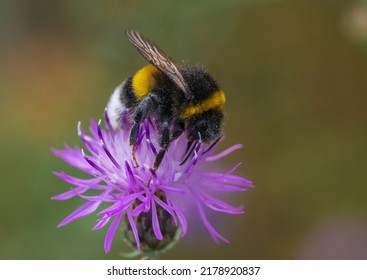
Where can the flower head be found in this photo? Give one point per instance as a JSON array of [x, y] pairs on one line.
[[149, 203]]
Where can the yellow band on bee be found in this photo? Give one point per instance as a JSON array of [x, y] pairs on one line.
[[214, 101], [143, 81]]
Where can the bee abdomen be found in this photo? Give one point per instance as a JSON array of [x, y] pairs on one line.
[[128, 97], [215, 101], [115, 106]]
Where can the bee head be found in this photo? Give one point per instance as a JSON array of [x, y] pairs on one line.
[[206, 126]]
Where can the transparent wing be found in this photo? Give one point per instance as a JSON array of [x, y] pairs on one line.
[[158, 58]]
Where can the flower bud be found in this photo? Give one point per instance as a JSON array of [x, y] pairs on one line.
[[144, 224]]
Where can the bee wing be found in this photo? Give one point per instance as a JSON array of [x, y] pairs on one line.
[[158, 58]]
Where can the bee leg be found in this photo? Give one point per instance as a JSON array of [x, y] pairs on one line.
[[164, 142], [157, 163], [158, 159], [178, 129], [140, 114], [133, 139]]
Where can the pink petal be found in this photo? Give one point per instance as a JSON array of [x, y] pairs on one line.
[[230, 179], [82, 211], [224, 153], [156, 228], [179, 214], [73, 157], [90, 183], [69, 194], [166, 207], [216, 236], [111, 232], [218, 205], [223, 188], [169, 189], [101, 222], [138, 209], [133, 227]]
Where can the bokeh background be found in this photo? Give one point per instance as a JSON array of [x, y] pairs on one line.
[[295, 75]]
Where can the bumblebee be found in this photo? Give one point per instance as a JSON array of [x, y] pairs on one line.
[[181, 99]]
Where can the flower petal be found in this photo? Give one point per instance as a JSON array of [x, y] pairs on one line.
[[156, 228], [223, 188], [111, 232], [93, 128], [216, 236], [108, 122], [105, 147], [230, 179], [134, 229], [82, 211], [101, 222], [183, 222], [179, 214], [218, 205], [94, 165], [169, 189], [224, 153], [138, 209], [104, 197], [88, 141], [89, 183], [69, 194], [166, 207], [74, 157]]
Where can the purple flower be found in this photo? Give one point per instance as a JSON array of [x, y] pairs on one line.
[[150, 212]]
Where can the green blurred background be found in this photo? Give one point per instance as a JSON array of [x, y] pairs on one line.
[[295, 75]]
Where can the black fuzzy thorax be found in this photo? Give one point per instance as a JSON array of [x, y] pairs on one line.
[[200, 82], [170, 99]]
